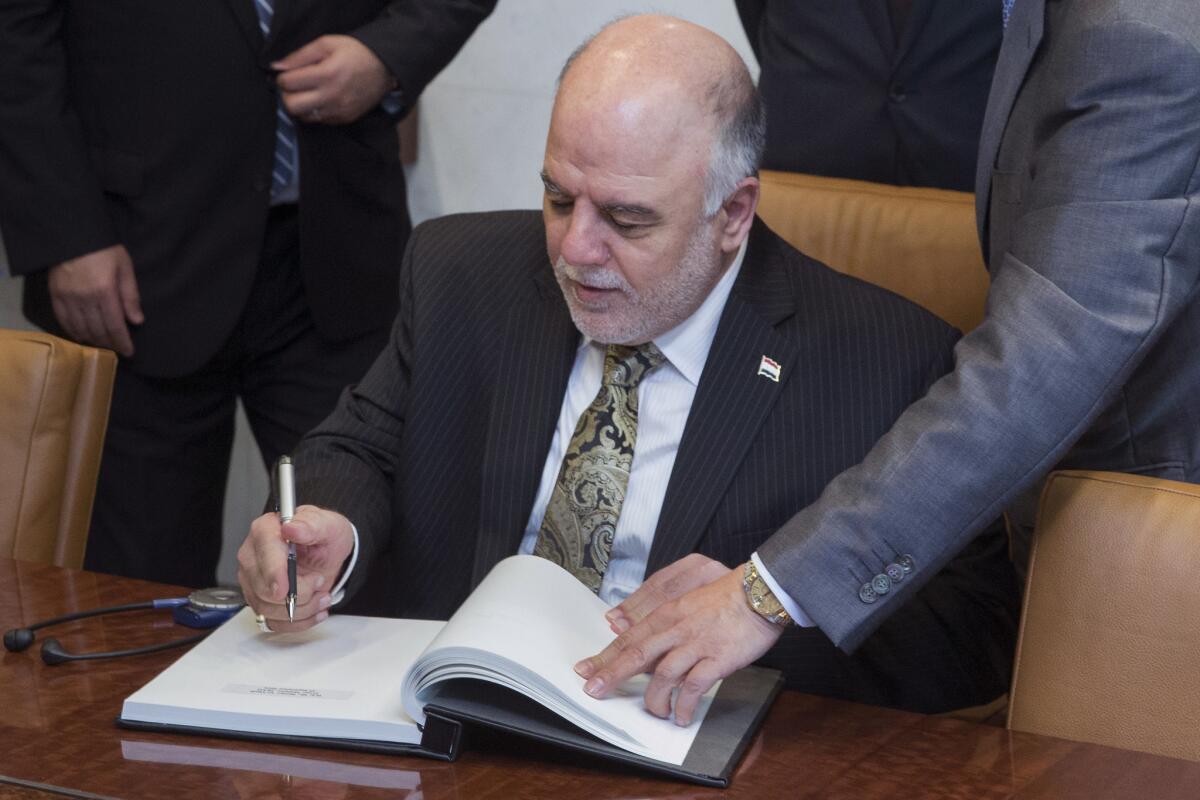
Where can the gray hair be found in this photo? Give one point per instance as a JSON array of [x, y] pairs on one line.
[[741, 135], [740, 121]]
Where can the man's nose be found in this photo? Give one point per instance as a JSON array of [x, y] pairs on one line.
[[583, 245]]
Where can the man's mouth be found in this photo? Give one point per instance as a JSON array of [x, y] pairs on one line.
[[591, 295], [592, 288]]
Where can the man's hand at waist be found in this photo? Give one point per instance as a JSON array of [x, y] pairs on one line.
[[332, 80], [324, 540], [94, 296], [706, 633]]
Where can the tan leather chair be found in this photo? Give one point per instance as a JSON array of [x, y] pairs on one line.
[[919, 243], [1109, 650], [54, 399]]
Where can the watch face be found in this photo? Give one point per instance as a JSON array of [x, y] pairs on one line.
[[762, 600], [765, 602]]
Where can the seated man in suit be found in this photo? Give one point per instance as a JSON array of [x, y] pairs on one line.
[[688, 385]]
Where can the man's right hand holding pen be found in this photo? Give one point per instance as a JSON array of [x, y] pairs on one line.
[[324, 540]]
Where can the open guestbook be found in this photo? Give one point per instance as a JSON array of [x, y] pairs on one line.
[[504, 660]]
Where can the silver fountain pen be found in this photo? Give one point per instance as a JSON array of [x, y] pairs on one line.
[[287, 509]]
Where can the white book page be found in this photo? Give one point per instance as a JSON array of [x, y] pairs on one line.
[[537, 616], [340, 679]]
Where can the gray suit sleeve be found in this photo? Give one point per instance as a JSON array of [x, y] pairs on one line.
[[1101, 250]]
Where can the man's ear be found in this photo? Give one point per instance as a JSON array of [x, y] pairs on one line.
[[737, 214]]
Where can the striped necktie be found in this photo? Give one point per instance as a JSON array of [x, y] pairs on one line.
[[581, 518], [283, 169]]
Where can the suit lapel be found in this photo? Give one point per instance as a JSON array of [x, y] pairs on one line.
[[247, 19], [534, 359], [731, 402], [1021, 40]]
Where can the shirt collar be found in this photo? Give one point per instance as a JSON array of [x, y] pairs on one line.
[[686, 345]]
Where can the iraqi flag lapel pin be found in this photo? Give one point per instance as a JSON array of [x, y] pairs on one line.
[[769, 368]]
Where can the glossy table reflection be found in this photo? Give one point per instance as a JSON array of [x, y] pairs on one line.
[[57, 737]]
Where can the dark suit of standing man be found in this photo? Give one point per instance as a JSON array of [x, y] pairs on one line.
[[439, 454], [138, 142], [891, 91]]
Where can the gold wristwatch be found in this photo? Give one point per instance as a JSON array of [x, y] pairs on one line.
[[761, 599]]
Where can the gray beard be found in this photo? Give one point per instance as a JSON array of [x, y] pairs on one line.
[[641, 316]]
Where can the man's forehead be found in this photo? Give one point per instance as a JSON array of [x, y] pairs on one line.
[[623, 156], [649, 110], [616, 184], [641, 197]]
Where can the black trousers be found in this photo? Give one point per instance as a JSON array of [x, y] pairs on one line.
[[161, 491]]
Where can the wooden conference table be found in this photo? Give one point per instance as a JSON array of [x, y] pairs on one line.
[[57, 738]]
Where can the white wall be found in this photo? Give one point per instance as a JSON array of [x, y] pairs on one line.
[[482, 130], [10, 299]]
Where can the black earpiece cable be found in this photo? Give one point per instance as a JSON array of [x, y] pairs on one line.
[[18, 639], [53, 652]]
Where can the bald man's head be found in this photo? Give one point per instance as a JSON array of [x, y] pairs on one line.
[[649, 175], [676, 75]]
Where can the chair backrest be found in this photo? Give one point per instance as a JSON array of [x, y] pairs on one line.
[[54, 399], [1110, 635], [919, 243]]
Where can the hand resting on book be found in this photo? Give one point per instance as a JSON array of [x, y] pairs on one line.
[[324, 540], [701, 631]]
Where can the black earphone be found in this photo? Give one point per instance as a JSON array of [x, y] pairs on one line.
[[203, 608]]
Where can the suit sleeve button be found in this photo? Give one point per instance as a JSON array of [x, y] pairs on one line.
[[881, 584], [895, 572], [906, 563], [867, 594]]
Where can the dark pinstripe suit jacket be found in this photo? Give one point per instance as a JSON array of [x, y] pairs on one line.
[[436, 455]]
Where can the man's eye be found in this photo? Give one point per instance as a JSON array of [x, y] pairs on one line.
[[626, 227], [561, 205]]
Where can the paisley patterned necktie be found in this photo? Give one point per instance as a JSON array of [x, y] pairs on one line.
[[581, 518]]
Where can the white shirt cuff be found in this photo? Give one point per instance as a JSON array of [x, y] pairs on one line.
[[792, 607], [339, 591]]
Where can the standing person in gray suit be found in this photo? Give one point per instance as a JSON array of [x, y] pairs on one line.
[[1088, 192], [640, 379]]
